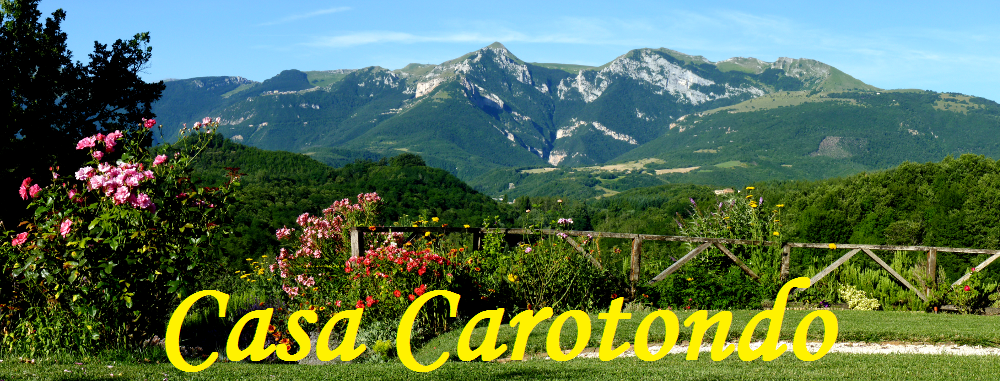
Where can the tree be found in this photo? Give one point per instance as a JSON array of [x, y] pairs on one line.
[[51, 101]]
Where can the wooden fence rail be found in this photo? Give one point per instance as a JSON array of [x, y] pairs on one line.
[[358, 243]]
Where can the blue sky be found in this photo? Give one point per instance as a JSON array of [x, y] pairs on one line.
[[913, 44]]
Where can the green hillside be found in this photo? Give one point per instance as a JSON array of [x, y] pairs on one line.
[[279, 186]]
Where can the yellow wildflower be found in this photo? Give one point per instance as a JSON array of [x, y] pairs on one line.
[[466, 226], [427, 234], [833, 246], [781, 205], [775, 234], [512, 277], [750, 188], [690, 279], [435, 219]]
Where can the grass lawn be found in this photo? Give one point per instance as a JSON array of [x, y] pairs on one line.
[[854, 326], [832, 366]]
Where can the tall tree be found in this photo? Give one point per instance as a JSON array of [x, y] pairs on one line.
[[50, 102]]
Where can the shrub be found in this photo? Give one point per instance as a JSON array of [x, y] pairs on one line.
[[113, 247], [316, 270], [857, 299], [741, 216]]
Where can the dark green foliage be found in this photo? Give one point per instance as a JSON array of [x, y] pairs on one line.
[[780, 81], [950, 204], [288, 80], [279, 186]]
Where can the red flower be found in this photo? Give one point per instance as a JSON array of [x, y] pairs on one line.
[[359, 304], [411, 297], [420, 290], [397, 293], [967, 288], [369, 300]]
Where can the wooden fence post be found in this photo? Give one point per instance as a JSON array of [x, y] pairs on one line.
[[477, 240], [357, 242], [931, 268], [636, 263], [786, 260]]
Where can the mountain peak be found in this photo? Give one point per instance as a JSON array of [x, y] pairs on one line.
[[496, 45]]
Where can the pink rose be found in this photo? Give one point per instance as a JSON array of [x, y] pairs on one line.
[[23, 191], [148, 123], [20, 239], [109, 141], [64, 227], [85, 143], [160, 159], [34, 190], [98, 155], [142, 201]]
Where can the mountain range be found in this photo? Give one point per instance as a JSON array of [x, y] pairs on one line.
[[649, 117]]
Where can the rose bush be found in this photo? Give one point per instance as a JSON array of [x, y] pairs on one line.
[[112, 246]]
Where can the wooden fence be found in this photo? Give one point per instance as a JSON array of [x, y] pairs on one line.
[[358, 242]]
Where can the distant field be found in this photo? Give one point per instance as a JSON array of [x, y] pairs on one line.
[[775, 100], [955, 103], [324, 78], [675, 170], [628, 166], [731, 164], [569, 68], [539, 170]]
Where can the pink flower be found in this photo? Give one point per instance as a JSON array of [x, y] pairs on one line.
[[64, 227], [206, 120], [23, 191], [72, 193], [85, 173], [283, 233], [527, 250], [160, 159], [148, 123], [109, 141], [121, 196], [98, 155], [141, 201], [34, 190], [20, 239], [85, 143], [197, 125], [291, 291]]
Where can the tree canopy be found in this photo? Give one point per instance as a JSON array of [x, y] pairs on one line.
[[52, 101]]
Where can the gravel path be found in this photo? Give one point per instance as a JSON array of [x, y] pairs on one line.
[[863, 348]]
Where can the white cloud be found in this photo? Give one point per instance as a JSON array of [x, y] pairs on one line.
[[305, 15]]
